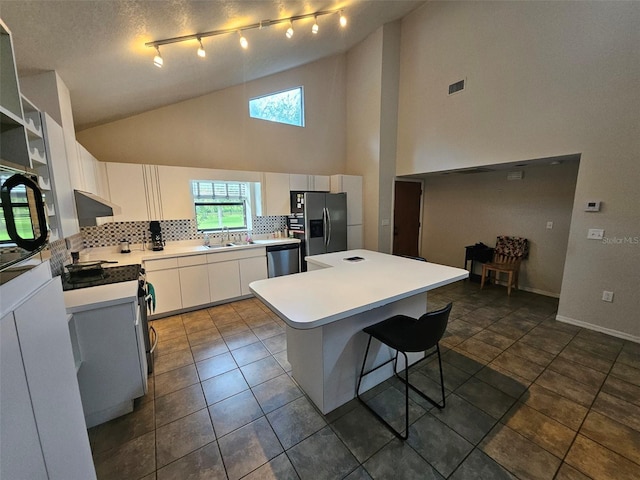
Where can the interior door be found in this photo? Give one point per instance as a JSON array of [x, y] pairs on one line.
[[406, 218]]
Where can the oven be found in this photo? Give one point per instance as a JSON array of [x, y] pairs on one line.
[[93, 274]]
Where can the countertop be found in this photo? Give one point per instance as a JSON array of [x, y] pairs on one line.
[[102, 296], [343, 288], [172, 249]]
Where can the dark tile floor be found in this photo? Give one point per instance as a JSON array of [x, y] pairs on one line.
[[527, 397]]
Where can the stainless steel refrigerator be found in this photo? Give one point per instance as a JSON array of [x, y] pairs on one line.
[[325, 222]]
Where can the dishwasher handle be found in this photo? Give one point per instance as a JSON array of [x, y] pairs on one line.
[[279, 248]]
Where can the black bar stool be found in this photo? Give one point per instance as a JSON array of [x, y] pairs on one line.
[[406, 334]]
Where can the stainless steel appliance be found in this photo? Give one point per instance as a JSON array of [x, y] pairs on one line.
[[325, 222], [283, 259], [92, 274]]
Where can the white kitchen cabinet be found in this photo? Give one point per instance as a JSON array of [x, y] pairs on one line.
[[37, 331], [224, 280], [20, 451], [309, 183], [252, 269], [164, 276], [352, 186], [275, 193], [93, 174], [136, 189], [194, 281], [175, 192], [111, 375], [64, 206]]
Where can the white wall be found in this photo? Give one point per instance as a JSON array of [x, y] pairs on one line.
[[461, 210], [544, 79], [215, 131]]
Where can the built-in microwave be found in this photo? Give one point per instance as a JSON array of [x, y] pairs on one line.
[[23, 222]]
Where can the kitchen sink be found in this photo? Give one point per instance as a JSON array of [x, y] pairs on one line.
[[219, 245]]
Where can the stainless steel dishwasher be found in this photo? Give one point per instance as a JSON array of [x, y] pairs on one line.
[[283, 259]]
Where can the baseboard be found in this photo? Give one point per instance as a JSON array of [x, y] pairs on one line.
[[598, 328], [532, 290]]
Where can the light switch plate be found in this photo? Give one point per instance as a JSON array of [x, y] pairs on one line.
[[607, 296], [595, 234], [549, 225]]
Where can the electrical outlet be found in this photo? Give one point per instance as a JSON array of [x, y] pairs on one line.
[[549, 225], [595, 234], [607, 296]]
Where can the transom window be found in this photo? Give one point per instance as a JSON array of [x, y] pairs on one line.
[[220, 204], [282, 107]]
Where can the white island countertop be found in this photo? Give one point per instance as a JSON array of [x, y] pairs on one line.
[[345, 288]]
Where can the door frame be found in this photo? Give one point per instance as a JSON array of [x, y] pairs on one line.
[[393, 208]]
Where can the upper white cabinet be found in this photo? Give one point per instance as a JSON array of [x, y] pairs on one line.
[[62, 208], [175, 192], [13, 131], [92, 175], [275, 194], [309, 183], [136, 189]]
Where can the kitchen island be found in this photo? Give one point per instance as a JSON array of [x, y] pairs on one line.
[[326, 308]]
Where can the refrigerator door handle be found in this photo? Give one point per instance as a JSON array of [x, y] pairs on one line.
[[329, 223], [324, 226]]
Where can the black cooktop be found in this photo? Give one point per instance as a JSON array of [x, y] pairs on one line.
[[105, 276]]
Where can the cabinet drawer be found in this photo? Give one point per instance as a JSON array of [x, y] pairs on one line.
[[160, 264], [192, 260]]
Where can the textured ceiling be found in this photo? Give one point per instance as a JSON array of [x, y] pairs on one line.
[[97, 47]]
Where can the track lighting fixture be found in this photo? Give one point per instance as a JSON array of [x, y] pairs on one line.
[[243, 41], [201, 52], [343, 19], [157, 60], [239, 30]]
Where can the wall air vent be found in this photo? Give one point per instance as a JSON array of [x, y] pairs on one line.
[[456, 87], [515, 175]]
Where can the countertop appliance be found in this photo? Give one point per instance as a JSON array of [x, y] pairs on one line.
[[97, 277], [157, 243], [283, 259], [325, 222]]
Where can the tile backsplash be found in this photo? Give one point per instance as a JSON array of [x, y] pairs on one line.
[[110, 234], [61, 252]]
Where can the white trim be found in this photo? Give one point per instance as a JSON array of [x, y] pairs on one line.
[[529, 289], [597, 328]]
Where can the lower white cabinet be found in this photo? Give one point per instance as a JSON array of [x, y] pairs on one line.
[[224, 280], [163, 275], [113, 371], [252, 269], [194, 281], [42, 429]]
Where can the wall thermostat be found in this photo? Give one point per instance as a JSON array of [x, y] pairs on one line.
[[592, 206]]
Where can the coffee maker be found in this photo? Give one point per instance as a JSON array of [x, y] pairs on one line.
[[157, 243]]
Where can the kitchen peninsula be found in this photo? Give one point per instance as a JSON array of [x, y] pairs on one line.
[[326, 308]]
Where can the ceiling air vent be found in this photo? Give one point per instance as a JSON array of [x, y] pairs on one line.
[[456, 87]]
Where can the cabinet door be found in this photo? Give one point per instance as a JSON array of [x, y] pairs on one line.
[[224, 280], [166, 284], [41, 323], [127, 190], [88, 170], [252, 269], [276, 194], [299, 182], [65, 204], [352, 186], [175, 189], [321, 183], [20, 452], [354, 237], [194, 286], [111, 372]]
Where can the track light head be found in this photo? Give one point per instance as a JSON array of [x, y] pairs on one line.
[[243, 41], [201, 52], [157, 60], [315, 28], [289, 33], [343, 19]]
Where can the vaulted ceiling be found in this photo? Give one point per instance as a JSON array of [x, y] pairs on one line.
[[98, 46]]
